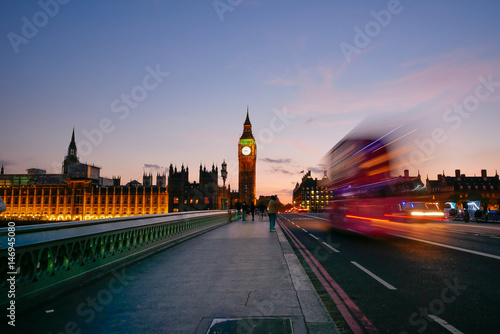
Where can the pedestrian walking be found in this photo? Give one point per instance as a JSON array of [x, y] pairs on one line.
[[262, 209], [244, 209], [273, 211], [252, 210]]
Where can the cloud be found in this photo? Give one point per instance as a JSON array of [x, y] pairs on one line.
[[283, 171], [151, 166], [277, 161], [429, 84]]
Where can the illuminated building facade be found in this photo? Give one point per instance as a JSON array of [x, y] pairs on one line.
[[247, 158], [311, 195], [80, 200], [79, 193]]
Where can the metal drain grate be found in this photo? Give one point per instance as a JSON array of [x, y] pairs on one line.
[[251, 326]]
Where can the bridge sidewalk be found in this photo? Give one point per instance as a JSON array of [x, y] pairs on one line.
[[238, 271]]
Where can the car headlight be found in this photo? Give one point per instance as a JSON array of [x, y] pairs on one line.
[[427, 214]]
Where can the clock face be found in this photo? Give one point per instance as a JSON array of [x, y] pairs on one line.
[[246, 150]]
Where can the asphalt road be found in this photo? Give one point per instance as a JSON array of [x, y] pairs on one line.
[[419, 278]]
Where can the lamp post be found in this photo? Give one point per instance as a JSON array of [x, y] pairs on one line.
[[223, 173]]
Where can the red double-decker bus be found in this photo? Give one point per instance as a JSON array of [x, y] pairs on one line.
[[366, 197]]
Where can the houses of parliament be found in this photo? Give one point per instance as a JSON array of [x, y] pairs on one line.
[[80, 193]]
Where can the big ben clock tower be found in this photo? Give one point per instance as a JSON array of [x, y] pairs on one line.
[[247, 157]]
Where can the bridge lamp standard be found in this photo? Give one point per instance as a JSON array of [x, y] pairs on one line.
[[223, 173]]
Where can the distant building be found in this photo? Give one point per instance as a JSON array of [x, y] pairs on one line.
[[161, 179], [234, 198], [461, 189], [186, 196], [79, 193], [311, 195]]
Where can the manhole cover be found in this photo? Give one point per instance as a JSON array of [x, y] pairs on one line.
[[251, 326]]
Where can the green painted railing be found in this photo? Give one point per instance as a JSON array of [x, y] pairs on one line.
[[51, 256]]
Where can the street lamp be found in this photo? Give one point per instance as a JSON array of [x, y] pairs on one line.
[[223, 173]]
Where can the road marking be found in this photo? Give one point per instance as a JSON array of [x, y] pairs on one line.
[[381, 281], [444, 324], [304, 230], [333, 249], [315, 237], [495, 237], [319, 218], [344, 304], [496, 257]]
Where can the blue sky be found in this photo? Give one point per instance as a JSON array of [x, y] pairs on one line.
[[305, 71]]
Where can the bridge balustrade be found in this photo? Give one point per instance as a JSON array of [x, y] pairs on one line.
[[56, 256]]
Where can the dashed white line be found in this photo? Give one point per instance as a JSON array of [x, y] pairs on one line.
[[451, 247], [333, 249], [321, 218], [444, 324], [315, 237], [378, 279], [304, 230]]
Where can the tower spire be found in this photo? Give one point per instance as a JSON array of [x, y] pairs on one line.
[[72, 156], [247, 120]]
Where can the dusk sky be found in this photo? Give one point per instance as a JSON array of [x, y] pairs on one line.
[[168, 82]]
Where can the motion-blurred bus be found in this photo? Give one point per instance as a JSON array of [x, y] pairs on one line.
[[366, 198]]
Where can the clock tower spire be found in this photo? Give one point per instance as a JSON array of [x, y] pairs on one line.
[[247, 158]]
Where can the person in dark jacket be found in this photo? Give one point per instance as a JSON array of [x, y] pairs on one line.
[[273, 211]]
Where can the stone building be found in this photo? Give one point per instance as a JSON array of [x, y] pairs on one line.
[[461, 189], [186, 196]]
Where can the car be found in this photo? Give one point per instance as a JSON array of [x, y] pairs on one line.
[[420, 211]]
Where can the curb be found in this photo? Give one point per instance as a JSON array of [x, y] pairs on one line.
[[316, 316]]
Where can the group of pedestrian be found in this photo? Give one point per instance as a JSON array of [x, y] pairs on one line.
[[272, 210]]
